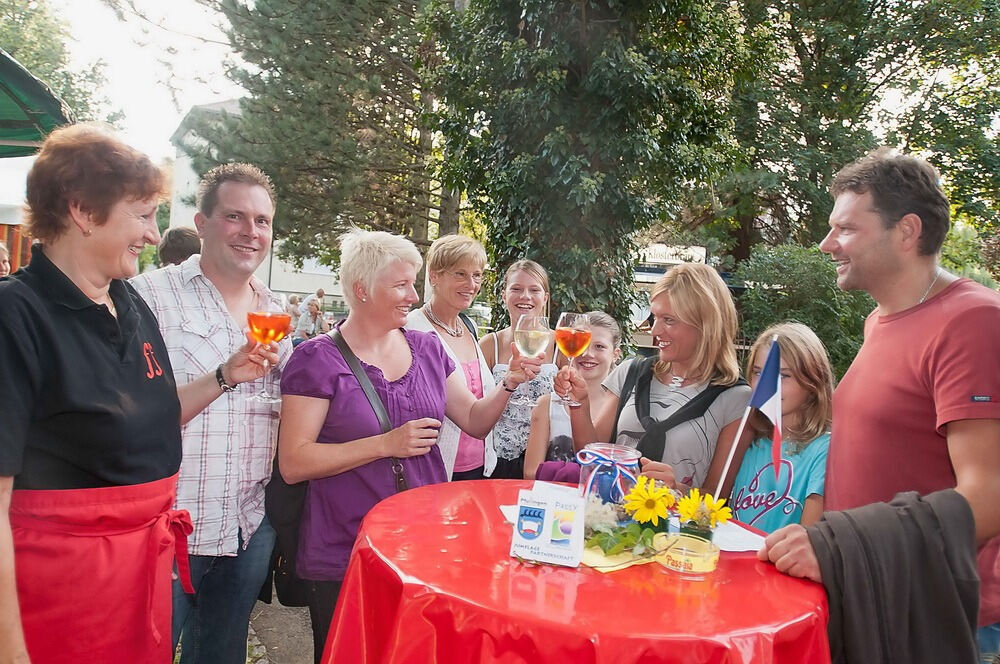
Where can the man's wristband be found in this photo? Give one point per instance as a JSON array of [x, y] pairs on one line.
[[508, 389], [226, 387]]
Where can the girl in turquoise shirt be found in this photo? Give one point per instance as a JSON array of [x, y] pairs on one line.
[[796, 496]]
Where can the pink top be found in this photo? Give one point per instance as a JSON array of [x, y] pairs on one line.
[[471, 451]]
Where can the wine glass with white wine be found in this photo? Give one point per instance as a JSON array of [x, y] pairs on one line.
[[531, 336]]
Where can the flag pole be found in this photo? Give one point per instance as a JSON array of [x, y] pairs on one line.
[[732, 452], [743, 424]]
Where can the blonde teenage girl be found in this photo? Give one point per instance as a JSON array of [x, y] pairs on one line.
[[551, 436], [525, 291]]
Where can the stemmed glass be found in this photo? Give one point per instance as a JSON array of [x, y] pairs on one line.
[[572, 338], [531, 336], [265, 327]]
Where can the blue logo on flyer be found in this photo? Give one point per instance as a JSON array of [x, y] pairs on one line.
[[529, 522]]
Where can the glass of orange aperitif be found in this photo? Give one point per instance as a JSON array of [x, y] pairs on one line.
[[267, 327], [572, 338]]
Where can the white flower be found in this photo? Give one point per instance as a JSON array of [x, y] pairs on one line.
[[601, 516]]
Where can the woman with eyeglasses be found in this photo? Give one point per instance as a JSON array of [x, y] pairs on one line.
[[455, 273]]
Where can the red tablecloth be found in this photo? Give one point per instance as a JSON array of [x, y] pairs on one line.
[[430, 580]]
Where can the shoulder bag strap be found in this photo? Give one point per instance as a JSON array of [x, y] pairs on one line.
[[638, 367], [373, 398], [469, 324], [654, 440]]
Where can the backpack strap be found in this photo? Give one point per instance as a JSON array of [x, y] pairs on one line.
[[373, 398], [469, 324], [654, 440], [639, 367]]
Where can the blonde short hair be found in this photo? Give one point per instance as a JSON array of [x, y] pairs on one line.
[[364, 254], [450, 250], [701, 299], [805, 356]]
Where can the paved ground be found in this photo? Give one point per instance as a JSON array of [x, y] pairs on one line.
[[279, 635]]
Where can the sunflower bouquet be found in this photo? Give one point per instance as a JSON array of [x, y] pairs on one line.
[[699, 513], [646, 511]]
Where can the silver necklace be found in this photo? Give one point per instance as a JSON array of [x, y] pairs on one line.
[[452, 331], [676, 382], [937, 273]]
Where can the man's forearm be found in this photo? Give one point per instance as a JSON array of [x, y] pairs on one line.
[[984, 500]]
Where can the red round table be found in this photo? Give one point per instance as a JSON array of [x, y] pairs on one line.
[[430, 580]]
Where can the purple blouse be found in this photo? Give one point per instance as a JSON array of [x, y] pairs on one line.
[[336, 505]]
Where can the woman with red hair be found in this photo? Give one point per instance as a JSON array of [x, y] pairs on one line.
[[90, 441]]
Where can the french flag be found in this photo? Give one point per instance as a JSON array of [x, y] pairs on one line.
[[766, 398]]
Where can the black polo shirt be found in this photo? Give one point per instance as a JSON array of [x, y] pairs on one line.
[[85, 400]]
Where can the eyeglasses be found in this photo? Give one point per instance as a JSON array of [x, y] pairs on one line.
[[462, 275]]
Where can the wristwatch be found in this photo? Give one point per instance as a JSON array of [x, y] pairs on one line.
[[226, 387]]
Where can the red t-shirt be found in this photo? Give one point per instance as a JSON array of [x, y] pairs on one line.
[[917, 370]]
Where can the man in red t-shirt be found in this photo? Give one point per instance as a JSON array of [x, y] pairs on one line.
[[919, 408]]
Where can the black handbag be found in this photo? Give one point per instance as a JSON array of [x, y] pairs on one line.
[[283, 505], [283, 502]]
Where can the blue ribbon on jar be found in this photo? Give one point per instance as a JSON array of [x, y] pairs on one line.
[[608, 473]]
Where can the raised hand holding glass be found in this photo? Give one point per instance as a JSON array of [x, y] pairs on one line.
[[267, 327], [572, 338], [531, 336]]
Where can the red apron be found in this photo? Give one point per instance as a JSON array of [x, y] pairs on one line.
[[94, 570]]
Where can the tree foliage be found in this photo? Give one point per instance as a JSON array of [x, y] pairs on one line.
[[336, 115], [32, 32], [794, 283], [148, 257], [962, 254], [572, 125], [838, 78]]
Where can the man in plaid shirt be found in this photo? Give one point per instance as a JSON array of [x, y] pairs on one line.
[[201, 305]]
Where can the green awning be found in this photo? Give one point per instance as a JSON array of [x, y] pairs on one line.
[[29, 110]]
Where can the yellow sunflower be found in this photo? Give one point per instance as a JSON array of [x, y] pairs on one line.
[[646, 503], [718, 511], [687, 507]]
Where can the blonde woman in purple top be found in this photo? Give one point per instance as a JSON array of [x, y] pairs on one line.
[[330, 435]]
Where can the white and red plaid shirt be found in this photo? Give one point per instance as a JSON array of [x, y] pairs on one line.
[[228, 447]]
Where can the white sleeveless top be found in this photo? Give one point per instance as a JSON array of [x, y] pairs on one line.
[[510, 435], [560, 434]]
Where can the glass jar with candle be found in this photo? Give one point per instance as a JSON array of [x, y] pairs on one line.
[[608, 471]]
